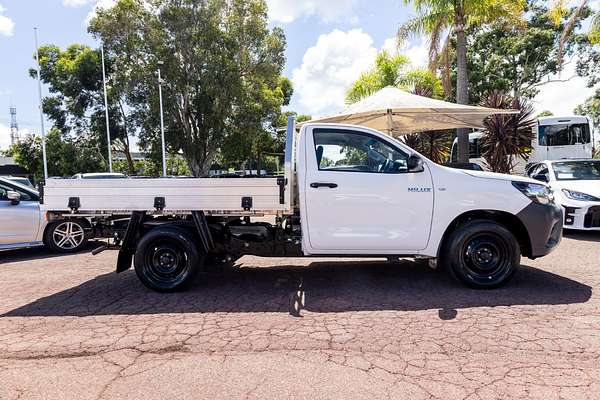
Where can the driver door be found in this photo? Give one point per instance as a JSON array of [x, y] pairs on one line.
[[18, 223], [360, 197]]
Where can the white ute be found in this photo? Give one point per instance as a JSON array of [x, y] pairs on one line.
[[347, 191]]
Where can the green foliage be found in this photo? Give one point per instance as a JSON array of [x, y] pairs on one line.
[[590, 108], [545, 113], [176, 166], [441, 20], [221, 71], [517, 59], [76, 101], [395, 71], [594, 32], [507, 137], [66, 156], [434, 145]]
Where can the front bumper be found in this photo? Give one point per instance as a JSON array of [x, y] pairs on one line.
[[585, 218], [544, 223]]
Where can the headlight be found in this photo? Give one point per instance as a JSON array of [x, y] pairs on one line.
[[538, 193], [573, 195]]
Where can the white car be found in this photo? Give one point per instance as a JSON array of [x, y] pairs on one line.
[[576, 187], [23, 223]]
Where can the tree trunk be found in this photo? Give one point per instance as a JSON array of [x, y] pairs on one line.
[[130, 166], [127, 148], [462, 93], [258, 162]]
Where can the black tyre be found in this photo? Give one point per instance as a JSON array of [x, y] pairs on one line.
[[167, 259], [482, 254], [67, 236]]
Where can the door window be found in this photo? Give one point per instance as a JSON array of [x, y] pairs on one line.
[[564, 134], [4, 195], [350, 151], [540, 169]]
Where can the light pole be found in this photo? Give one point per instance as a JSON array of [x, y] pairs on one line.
[[106, 111], [162, 123], [37, 59]]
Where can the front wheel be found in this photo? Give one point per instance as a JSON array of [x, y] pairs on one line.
[[482, 254], [167, 259], [66, 236]]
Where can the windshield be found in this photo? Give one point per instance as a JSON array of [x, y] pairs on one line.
[[577, 170], [22, 181], [564, 134]]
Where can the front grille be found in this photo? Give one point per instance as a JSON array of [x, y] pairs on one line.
[[592, 218]]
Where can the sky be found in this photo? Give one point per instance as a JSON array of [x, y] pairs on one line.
[[329, 43]]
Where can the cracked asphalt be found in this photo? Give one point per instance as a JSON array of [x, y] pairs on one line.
[[300, 328]]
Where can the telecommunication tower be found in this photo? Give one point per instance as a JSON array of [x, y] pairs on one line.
[[14, 128]]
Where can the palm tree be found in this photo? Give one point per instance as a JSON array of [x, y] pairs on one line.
[[393, 70], [452, 18], [559, 9]]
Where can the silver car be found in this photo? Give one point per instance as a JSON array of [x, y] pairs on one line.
[[23, 224]]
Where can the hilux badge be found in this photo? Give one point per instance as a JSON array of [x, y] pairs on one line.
[[419, 189]]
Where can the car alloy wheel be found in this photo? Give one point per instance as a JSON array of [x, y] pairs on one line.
[[68, 235]]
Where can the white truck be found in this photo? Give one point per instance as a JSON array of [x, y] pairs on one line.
[[554, 138], [347, 191]]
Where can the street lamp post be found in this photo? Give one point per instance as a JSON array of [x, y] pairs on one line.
[[162, 123], [37, 59], [106, 111]]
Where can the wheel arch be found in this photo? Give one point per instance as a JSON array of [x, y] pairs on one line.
[[506, 219], [84, 221]]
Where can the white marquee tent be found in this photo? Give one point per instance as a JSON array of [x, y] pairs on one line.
[[397, 112]]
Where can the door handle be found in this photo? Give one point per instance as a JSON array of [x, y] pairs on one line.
[[323, 184]]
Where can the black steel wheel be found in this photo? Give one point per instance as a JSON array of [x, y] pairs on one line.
[[482, 254], [167, 259]]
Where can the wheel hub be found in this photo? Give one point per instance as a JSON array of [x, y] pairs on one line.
[[68, 235], [165, 260], [482, 256]]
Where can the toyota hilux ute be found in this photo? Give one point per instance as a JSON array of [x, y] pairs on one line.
[[346, 191]]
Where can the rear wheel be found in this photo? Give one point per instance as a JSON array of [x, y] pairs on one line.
[[66, 236], [482, 254], [167, 259]]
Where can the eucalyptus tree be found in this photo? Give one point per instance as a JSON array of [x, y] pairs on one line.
[[221, 65], [75, 103]]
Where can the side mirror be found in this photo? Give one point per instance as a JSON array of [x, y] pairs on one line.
[[14, 197], [541, 177], [415, 163]]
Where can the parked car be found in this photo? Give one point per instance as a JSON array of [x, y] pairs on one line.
[[20, 180], [576, 186], [100, 175], [23, 224]]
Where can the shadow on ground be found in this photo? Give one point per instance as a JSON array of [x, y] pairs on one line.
[[38, 253], [586, 236], [323, 287]]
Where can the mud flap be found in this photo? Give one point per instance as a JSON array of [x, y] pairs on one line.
[[203, 231], [129, 241]]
